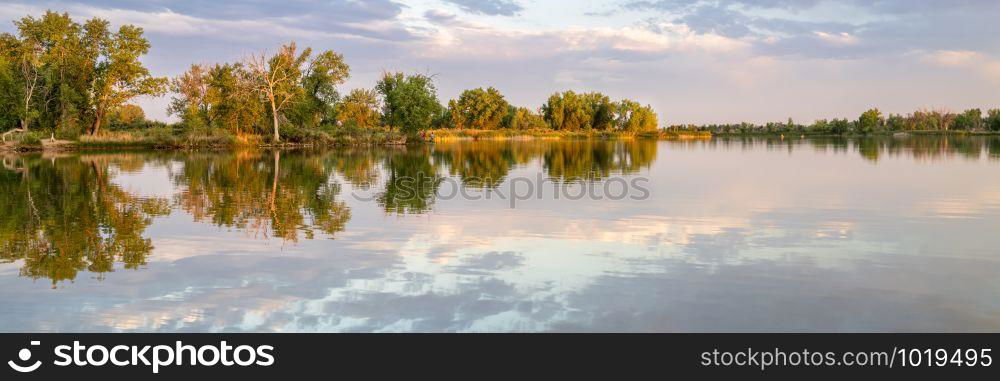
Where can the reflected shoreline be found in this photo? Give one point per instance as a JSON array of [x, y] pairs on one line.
[[66, 215]]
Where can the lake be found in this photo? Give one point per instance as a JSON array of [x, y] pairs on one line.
[[721, 235]]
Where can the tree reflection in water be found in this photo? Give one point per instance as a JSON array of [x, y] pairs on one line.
[[64, 214]]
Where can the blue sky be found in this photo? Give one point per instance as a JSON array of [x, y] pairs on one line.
[[694, 61]]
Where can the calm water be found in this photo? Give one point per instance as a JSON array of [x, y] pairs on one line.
[[728, 235]]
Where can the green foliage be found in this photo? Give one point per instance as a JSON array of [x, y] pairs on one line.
[[191, 102], [410, 102], [120, 76], [31, 138], [482, 109], [870, 121], [521, 118], [569, 111], [127, 117], [993, 119], [971, 119], [359, 109], [319, 92], [632, 116], [232, 100], [839, 126]]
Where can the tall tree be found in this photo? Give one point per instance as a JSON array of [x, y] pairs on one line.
[[26, 54], [478, 108], [233, 99], [190, 101], [120, 76], [632, 116], [567, 111], [410, 101], [870, 121], [319, 88], [277, 79]]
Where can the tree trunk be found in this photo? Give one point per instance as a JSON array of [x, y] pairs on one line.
[[97, 124], [274, 182], [274, 115], [276, 137]]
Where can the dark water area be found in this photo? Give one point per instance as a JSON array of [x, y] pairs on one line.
[[728, 234]]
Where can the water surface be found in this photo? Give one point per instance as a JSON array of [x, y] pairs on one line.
[[888, 234]]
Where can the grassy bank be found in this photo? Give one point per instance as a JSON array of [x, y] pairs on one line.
[[449, 134], [167, 138]]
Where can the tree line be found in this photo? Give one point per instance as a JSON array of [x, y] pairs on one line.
[[61, 76], [67, 78], [871, 121]]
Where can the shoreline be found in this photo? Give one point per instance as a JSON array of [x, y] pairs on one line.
[[372, 140]]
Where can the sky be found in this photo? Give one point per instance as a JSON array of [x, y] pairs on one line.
[[694, 61]]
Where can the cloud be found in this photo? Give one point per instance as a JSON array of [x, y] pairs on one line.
[[489, 7], [294, 19], [842, 38], [986, 66]]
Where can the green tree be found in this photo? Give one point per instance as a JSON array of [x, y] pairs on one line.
[[410, 102], [120, 76], [127, 116], [633, 117], [971, 119], [277, 79], [993, 119], [359, 109], [26, 55], [190, 101], [839, 126], [319, 89], [870, 121], [233, 100], [480, 108], [521, 118], [566, 111], [601, 111]]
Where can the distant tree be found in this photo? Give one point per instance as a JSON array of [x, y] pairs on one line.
[[410, 102], [600, 110], [521, 118], [359, 109], [126, 116], [895, 122], [478, 109], [820, 126], [567, 111], [632, 116], [993, 119], [120, 76], [971, 119], [870, 121], [839, 126]]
